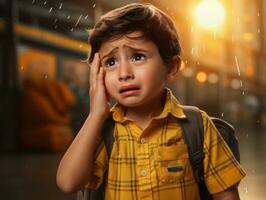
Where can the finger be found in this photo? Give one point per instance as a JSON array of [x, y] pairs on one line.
[[94, 69], [100, 76]]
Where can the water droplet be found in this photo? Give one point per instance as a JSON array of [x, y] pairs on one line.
[[247, 135], [78, 20], [55, 20], [55, 27], [60, 7], [72, 29], [241, 83], [237, 65], [258, 30], [45, 76], [246, 190], [192, 51], [50, 9], [86, 17], [68, 17], [94, 5], [33, 1], [222, 114], [44, 3], [243, 93]]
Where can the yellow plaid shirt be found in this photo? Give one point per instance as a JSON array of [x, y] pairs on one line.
[[153, 164]]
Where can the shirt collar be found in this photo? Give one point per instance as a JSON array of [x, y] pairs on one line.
[[172, 106]]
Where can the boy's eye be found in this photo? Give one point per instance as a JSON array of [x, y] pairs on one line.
[[138, 57], [110, 62]]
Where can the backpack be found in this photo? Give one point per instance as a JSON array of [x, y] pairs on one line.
[[193, 131]]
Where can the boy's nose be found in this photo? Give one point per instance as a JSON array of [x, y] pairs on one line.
[[125, 72]]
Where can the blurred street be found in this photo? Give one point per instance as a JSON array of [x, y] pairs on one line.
[[253, 148]]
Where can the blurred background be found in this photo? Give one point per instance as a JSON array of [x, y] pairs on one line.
[[44, 82]]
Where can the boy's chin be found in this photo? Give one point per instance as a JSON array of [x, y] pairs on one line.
[[129, 104]]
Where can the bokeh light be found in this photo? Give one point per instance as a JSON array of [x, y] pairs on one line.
[[210, 13], [201, 77]]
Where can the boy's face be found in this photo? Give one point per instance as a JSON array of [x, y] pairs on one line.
[[135, 73]]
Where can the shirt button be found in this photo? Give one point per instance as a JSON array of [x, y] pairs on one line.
[[142, 140], [143, 172]]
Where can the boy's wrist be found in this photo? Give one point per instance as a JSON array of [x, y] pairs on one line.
[[97, 118]]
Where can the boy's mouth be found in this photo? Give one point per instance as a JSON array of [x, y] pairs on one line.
[[129, 89]]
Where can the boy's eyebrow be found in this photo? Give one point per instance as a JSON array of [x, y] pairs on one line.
[[115, 49], [110, 52]]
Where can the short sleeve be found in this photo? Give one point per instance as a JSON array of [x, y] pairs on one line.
[[221, 169], [99, 167]]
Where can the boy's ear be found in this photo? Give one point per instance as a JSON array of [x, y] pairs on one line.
[[174, 67]]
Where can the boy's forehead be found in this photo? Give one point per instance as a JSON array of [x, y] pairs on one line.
[[134, 39]]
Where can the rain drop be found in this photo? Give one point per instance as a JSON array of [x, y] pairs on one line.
[[50, 9], [86, 17], [68, 17], [237, 65], [44, 3], [33, 1], [60, 7], [94, 5], [241, 83], [78, 20]]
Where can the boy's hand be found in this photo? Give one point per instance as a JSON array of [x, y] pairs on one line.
[[99, 99]]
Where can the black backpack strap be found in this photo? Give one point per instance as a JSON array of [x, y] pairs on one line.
[[107, 135], [193, 131]]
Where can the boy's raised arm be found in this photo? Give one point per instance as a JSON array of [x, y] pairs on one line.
[[75, 168]]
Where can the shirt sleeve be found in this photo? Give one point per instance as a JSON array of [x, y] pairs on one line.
[[99, 166], [221, 169]]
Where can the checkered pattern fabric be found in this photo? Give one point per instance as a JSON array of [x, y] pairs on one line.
[[153, 164]]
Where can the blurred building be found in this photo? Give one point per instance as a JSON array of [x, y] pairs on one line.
[[47, 40], [225, 66]]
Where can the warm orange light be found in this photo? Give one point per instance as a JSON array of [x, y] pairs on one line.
[[249, 71], [201, 77], [210, 13]]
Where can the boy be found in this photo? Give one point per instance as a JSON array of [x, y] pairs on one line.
[[134, 51]]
